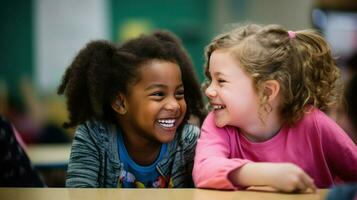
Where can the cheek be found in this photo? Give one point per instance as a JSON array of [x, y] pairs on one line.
[[183, 106], [148, 110], [232, 101], [228, 96]]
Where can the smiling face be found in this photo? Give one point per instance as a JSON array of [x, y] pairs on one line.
[[231, 93], [155, 105]]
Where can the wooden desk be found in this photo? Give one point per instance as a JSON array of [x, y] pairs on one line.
[[49, 155], [142, 194]]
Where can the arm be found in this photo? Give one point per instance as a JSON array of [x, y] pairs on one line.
[[285, 177], [212, 160], [213, 167], [83, 167]]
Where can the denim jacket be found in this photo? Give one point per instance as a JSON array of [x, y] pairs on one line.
[[94, 160]]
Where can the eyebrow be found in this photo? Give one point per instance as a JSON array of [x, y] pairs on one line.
[[158, 85], [219, 74]]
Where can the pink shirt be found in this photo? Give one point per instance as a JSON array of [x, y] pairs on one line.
[[316, 144]]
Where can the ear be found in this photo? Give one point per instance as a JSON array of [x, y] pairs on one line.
[[119, 104], [271, 89]]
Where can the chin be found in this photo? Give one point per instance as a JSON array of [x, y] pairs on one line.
[[167, 137], [220, 123], [167, 140]]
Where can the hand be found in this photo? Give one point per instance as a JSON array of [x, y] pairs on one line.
[[288, 177], [285, 177]]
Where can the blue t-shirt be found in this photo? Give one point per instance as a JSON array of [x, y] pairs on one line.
[[138, 176]]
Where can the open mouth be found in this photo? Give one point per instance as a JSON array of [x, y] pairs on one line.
[[167, 123], [218, 107]]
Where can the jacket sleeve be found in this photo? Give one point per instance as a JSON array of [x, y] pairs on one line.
[[83, 167], [339, 150], [212, 161], [190, 136]]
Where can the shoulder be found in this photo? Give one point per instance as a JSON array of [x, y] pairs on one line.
[[93, 130], [209, 123], [316, 121], [209, 127], [5, 131], [190, 134], [209, 120], [315, 117]]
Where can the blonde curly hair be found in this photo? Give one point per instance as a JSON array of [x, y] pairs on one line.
[[303, 65]]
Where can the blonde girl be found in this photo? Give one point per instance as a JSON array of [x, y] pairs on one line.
[[268, 88]]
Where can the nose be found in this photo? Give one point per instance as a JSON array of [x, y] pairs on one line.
[[210, 92]]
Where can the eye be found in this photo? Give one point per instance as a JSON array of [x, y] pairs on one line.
[[180, 94], [158, 94], [220, 80]]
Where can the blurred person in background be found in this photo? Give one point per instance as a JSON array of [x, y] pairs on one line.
[[348, 191], [351, 100], [345, 113], [38, 119], [15, 167]]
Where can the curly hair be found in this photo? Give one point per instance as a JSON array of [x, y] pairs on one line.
[[303, 65], [101, 70]]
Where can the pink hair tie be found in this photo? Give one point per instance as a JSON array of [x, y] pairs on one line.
[[292, 34]]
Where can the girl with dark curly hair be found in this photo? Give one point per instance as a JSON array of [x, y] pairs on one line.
[[267, 88], [132, 103]]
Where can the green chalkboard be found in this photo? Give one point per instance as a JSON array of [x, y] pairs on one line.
[[16, 44], [190, 20]]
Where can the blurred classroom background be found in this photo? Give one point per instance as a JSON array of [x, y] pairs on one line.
[[39, 39]]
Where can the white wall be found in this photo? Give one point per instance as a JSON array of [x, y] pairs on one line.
[[61, 29], [292, 14]]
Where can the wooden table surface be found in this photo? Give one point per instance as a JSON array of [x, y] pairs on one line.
[[154, 194]]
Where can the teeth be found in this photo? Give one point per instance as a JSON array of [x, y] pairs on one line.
[[216, 107], [168, 123]]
